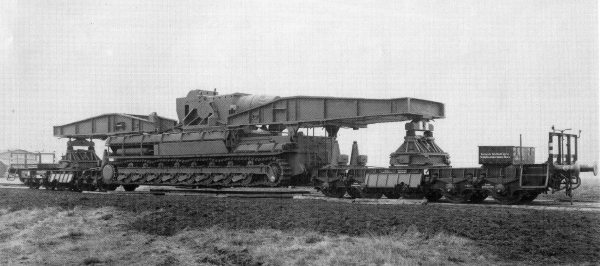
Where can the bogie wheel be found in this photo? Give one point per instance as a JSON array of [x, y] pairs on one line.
[[433, 196], [130, 187], [529, 197], [354, 193], [459, 198], [34, 185], [510, 199], [372, 195], [90, 187], [412, 195], [479, 197], [49, 185], [334, 192], [391, 195]]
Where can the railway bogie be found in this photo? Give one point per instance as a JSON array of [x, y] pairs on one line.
[[506, 176]]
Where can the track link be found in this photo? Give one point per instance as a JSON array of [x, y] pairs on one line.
[[203, 172]]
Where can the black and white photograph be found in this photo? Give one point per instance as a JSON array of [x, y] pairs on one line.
[[299, 132]]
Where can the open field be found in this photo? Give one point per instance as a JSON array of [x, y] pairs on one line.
[[71, 228], [53, 236]]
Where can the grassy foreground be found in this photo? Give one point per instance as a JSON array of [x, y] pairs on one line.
[[55, 236]]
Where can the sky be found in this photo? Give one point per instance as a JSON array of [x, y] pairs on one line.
[[502, 68]]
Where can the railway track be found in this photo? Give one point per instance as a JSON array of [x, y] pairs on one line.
[[237, 193], [309, 194], [535, 205]]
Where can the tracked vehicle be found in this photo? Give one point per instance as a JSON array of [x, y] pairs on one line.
[[256, 140]]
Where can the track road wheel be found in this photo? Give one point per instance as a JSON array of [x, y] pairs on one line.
[[130, 187], [334, 192], [511, 199], [247, 180], [109, 187]]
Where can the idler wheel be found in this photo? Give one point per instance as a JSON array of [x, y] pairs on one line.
[[108, 172], [274, 173]]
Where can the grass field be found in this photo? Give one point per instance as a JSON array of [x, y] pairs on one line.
[[54, 236]]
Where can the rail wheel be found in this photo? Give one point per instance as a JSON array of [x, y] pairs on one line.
[[354, 193], [50, 185], [391, 195], [370, 195], [458, 198], [90, 187], [529, 197], [130, 187], [34, 185], [433, 196], [479, 197], [509, 199], [412, 195], [334, 192]]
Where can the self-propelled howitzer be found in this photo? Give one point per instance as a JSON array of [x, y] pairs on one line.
[[256, 140]]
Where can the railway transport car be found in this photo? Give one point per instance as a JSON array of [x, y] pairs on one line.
[[79, 169], [244, 140]]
